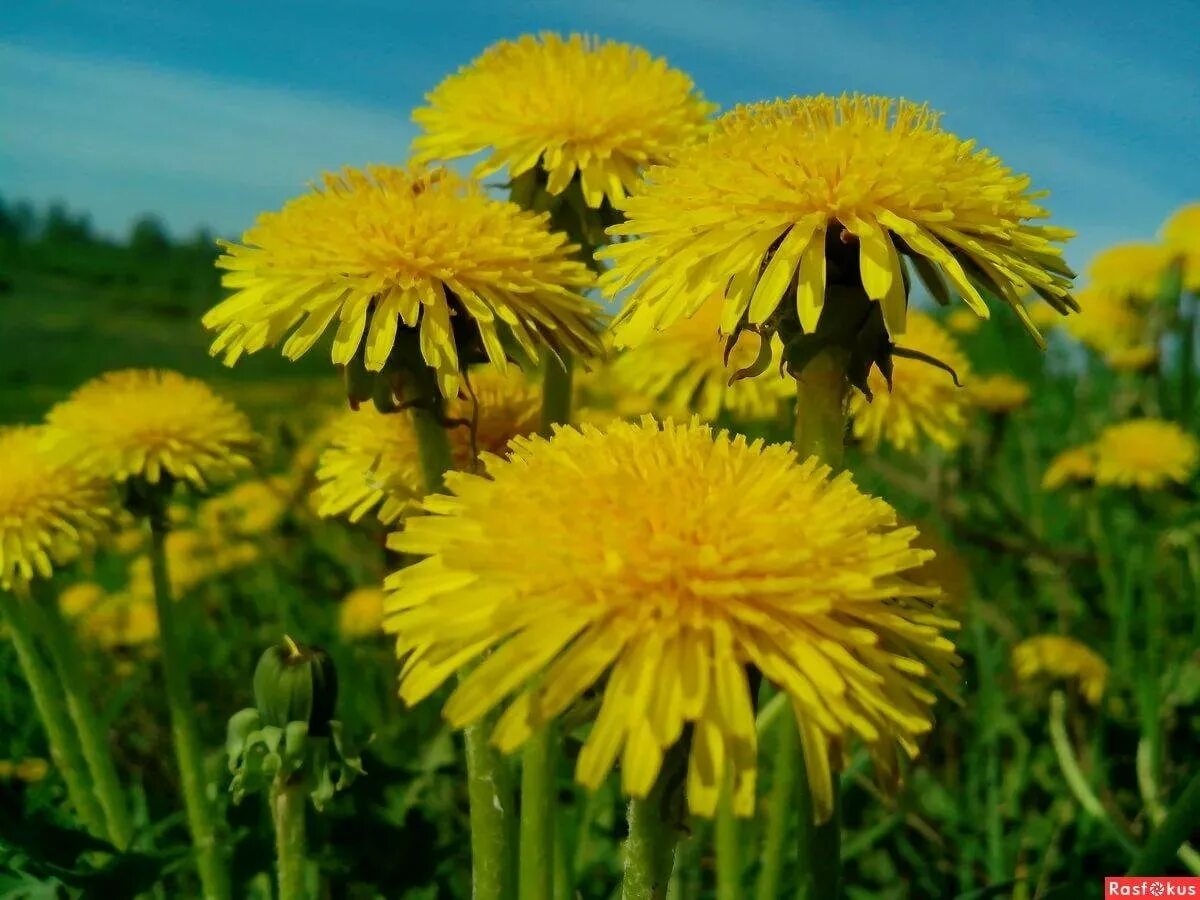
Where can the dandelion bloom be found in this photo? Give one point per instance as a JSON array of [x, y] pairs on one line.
[[249, 509], [1132, 271], [122, 620], [1142, 358], [684, 370], [1000, 393], [1145, 453], [964, 322], [421, 263], [1182, 235], [797, 205], [1053, 656], [80, 598], [194, 557], [1108, 323], [49, 510], [360, 614], [597, 108], [923, 401], [1075, 464], [373, 463], [670, 558], [147, 423]]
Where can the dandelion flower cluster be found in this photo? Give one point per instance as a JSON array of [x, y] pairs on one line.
[[146, 423], [421, 262], [599, 109], [684, 370], [1145, 453], [997, 394], [923, 401], [788, 198], [1055, 657], [670, 558], [49, 510]]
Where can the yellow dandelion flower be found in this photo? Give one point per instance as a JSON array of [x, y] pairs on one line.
[[123, 620], [360, 614], [576, 105], [1182, 235], [372, 462], [1141, 358], [249, 509], [923, 401], [144, 423], [670, 558], [29, 770], [682, 368], [1045, 317], [794, 206], [49, 510], [1000, 393], [1061, 658], [80, 598], [1133, 272], [964, 322], [193, 558], [1074, 464], [406, 261], [1145, 453], [1107, 322]]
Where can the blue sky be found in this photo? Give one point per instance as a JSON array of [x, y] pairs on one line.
[[207, 112]]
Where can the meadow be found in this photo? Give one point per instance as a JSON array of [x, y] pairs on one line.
[[1063, 738]]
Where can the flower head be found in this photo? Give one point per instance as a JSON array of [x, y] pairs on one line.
[[922, 402], [576, 105], [1056, 657], [249, 509], [1108, 323], [1132, 272], [361, 613], [1000, 393], [372, 462], [1141, 358], [669, 558], [147, 423], [683, 368], [963, 322], [1145, 453], [420, 268], [793, 210], [49, 510], [193, 558], [122, 620], [1075, 464], [1182, 235]]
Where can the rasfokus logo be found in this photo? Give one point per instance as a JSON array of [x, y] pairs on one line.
[[1151, 886]]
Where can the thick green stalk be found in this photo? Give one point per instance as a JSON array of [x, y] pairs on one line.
[[819, 846], [536, 865], [780, 805], [649, 849], [729, 849], [189, 753], [64, 651], [287, 814], [51, 706], [1164, 843], [433, 447], [557, 380]]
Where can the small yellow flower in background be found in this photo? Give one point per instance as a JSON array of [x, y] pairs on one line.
[[1045, 317], [923, 402], [772, 207], [50, 510], [81, 598], [249, 509], [361, 613], [963, 321], [1132, 272], [1071, 465], [194, 557], [1062, 658], [30, 770], [670, 558], [1145, 453], [372, 462], [145, 423], [683, 369], [122, 621], [1000, 393], [1141, 358], [1181, 233], [597, 108], [1108, 323], [418, 263]]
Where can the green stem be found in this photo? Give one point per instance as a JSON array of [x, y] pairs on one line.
[[189, 754], [729, 848], [557, 381], [433, 447], [64, 651], [1148, 787], [1164, 843], [287, 813], [649, 848], [822, 392], [490, 796], [819, 845], [779, 806], [51, 706], [536, 872]]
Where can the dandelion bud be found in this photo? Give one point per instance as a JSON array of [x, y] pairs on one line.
[[296, 684]]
